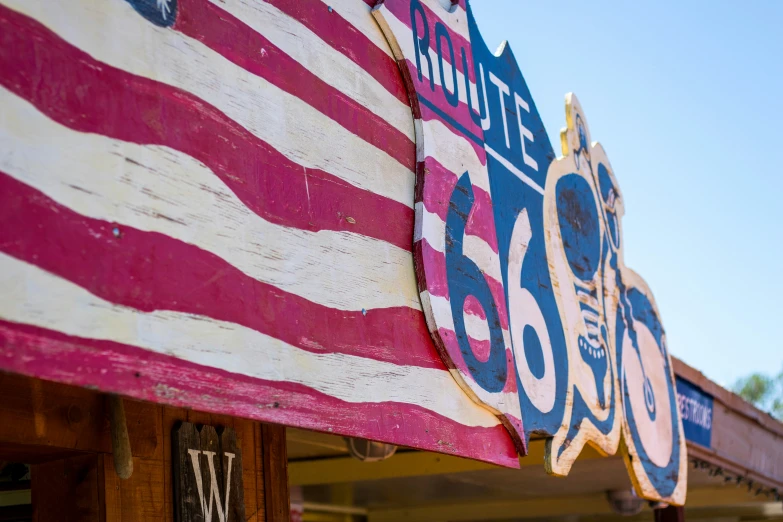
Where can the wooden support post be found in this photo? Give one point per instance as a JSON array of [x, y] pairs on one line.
[[120, 441], [275, 457], [67, 435], [670, 514]]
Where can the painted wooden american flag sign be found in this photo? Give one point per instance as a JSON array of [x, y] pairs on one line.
[[328, 214]]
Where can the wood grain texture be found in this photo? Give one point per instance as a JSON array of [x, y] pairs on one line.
[[730, 400], [159, 182], [73, 459], [67, 489], [120, 441], [96, 318], [276, 496], [580, 253], [742, 445], [247, 99], [256, 167], [140, 498], [621, 374]]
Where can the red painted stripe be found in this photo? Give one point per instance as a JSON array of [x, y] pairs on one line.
[[227, 35], [439, 184], [402, 11], [75, 90], [347, 39], [144, 375], [149, 271], [437, 282]]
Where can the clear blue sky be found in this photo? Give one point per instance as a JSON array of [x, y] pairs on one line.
[[687, 99]]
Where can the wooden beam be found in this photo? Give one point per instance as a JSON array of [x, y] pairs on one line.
[[722, 496], [594, 504], [743, 437], [317, 439], [63, 418], [496, 510], [403, 464]]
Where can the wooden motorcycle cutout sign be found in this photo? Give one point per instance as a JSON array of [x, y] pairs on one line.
[[519, 258]]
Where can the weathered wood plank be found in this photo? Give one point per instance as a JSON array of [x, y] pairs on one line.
[[67, 489], [302, 148], [63, 432], [139, 498], [245, 431], [59, 416], [207, 474], [261, 492], [276, 496]]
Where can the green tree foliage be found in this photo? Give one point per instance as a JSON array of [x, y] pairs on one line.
[[762, 391]]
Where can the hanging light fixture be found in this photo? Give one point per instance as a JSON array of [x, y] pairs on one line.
[[368, 450], [625, 502]]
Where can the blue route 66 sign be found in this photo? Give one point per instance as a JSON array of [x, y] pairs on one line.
[[519, 258]]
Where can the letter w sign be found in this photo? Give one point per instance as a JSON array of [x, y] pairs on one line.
[[207, 474]]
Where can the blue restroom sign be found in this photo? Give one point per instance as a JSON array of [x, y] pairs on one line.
[[696, 409]]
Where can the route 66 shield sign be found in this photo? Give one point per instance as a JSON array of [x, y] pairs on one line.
[[519, 258]]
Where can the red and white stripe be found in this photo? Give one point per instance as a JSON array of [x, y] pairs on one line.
[[220, 215], [444, 153]]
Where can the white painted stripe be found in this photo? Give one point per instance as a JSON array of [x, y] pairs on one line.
[[36, 297], [408, 51], [476, 327], [284, 121], [433, 229], [317, 56], [358, 14], [454, 152], [165, 191], [518, 173], [456, 20]]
